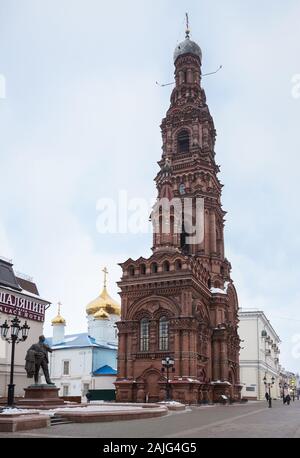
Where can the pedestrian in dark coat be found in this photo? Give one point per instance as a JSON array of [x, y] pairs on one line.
[[288, 399], [267, 396]]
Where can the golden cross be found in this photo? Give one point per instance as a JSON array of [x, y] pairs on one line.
[[105, 274]]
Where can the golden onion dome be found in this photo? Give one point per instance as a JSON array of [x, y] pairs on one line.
[[104, 302], [101, 315], [58, 319]]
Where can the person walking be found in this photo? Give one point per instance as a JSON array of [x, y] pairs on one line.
[[288, 399], [267, 396]]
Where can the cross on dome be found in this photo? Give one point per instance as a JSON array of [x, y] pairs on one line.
[[58, 319]]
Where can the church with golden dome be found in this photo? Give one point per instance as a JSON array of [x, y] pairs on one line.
[[87, 361]]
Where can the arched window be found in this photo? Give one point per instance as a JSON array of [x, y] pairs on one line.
[[154, 268], [178, 265], [183, 142], [131, 271], [144, 335], [143, 269], [166, 266], [163, 334]]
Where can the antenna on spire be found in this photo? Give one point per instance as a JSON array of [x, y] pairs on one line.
[[187, 31], [105, 274], [59, 306], [213, 73]]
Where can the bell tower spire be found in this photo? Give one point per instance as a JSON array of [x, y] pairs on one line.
[[188, 135], [187, 31]]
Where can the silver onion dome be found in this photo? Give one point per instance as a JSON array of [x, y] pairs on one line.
[[187, 47]]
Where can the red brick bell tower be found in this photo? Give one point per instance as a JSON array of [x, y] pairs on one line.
[[181, 302]]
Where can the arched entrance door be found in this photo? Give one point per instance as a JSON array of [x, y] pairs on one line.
[[152, 386]]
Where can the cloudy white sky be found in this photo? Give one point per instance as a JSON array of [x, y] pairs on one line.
[[80, 121]]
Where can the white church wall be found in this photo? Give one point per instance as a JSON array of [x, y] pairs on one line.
[[79, 364]]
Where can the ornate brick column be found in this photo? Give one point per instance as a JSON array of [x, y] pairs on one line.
[[206, 233], [223, 360], [122, 354], [185, 353], [129, 357], [177, 352], [216, 359], [213, 234]]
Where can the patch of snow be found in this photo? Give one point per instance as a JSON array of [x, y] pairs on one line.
[[90, 408], [172, 403], [96, 408], [70, 339], [219, 382], [14, 411], [218, 291], [226, 284]]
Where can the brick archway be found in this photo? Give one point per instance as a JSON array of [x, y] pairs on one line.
[[152, 387], [152, 304], [151, 379]]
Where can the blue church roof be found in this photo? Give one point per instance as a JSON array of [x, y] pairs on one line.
[[105, 370], [79, 341]]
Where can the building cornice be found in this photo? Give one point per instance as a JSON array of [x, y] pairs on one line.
[[258, 314]]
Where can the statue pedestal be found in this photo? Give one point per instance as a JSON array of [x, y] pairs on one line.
[[41, 396]]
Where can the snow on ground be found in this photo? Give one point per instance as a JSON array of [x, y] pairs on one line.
[[14, 411], [90, 408]]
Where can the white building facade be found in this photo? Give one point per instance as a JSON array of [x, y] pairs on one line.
[[259, 356], [78, 364]]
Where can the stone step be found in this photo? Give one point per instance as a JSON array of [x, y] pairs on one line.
[[59, 420]]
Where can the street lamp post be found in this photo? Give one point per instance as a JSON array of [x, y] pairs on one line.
[[268, 385], [168, 363], [15, 330]]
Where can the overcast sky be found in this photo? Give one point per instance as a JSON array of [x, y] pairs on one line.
[[80, 121]]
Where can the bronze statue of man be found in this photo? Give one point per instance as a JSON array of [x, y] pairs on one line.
[[36, 358]]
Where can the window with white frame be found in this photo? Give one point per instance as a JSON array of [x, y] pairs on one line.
[[66, 390], [66, 367], [163, 334], [144, 335]]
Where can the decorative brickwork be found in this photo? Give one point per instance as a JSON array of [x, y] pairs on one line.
[[186, 285]]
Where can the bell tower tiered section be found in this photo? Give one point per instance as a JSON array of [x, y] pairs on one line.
[[181, 302]]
